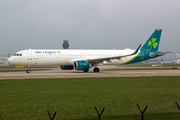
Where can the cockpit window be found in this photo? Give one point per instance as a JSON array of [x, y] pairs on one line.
[[17, 54]]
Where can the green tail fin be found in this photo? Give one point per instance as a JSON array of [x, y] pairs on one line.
[[152, 43]]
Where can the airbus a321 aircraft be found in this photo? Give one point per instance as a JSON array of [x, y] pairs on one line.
[[85, 59]]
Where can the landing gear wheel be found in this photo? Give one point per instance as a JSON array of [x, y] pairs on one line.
[[96, 69], [85, 70], [27, 71]]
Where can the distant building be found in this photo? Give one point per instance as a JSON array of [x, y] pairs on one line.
[[3, 59], [65, 44]]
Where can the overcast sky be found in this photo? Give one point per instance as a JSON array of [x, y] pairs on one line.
[[88, 24]]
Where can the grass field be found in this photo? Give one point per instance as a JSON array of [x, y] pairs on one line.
[[14, 69], [73, 91]]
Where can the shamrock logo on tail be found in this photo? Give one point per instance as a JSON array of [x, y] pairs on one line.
[[153, 43]]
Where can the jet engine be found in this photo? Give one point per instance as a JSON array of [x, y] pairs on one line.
[[82, 65], [67, 67]]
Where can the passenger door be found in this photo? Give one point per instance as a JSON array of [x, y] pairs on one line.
[[29, 55]]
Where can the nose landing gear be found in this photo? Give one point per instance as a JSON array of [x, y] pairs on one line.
[[28, 71]]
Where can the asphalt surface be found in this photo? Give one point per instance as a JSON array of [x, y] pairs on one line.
[[58, 73]]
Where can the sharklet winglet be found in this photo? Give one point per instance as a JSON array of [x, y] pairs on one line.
[[136, 51]]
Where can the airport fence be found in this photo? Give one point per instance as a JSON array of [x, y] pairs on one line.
[[90, 109]]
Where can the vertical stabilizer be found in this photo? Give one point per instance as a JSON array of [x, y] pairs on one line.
[[177, 55], [152, 43]]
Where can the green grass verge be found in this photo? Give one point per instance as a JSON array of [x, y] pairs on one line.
[[8, 67], [149, 65], [14, 69], [140, 69], [78, 93], [21, 70]]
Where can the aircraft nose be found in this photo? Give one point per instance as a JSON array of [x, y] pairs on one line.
[[10, 60]]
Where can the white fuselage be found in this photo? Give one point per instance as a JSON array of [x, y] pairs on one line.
[[46, 57]]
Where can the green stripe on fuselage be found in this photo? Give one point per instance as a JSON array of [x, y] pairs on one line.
[[132, 58]]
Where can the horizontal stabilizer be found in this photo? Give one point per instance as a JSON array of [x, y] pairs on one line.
[[155, 54]]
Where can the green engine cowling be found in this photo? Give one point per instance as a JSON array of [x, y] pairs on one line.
[[67, 67], [82, 65]]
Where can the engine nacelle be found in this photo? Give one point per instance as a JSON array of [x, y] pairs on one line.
[[67, 67], [81, 65]]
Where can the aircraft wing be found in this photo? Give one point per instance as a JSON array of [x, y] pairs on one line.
[[100, 60], [154, 54]]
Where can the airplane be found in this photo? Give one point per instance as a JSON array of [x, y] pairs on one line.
[[178, 60], [85, 59]]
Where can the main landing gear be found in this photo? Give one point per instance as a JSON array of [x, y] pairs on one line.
[[85, 70], [96, 69]]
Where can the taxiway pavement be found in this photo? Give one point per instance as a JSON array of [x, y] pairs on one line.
[[58, 73]]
